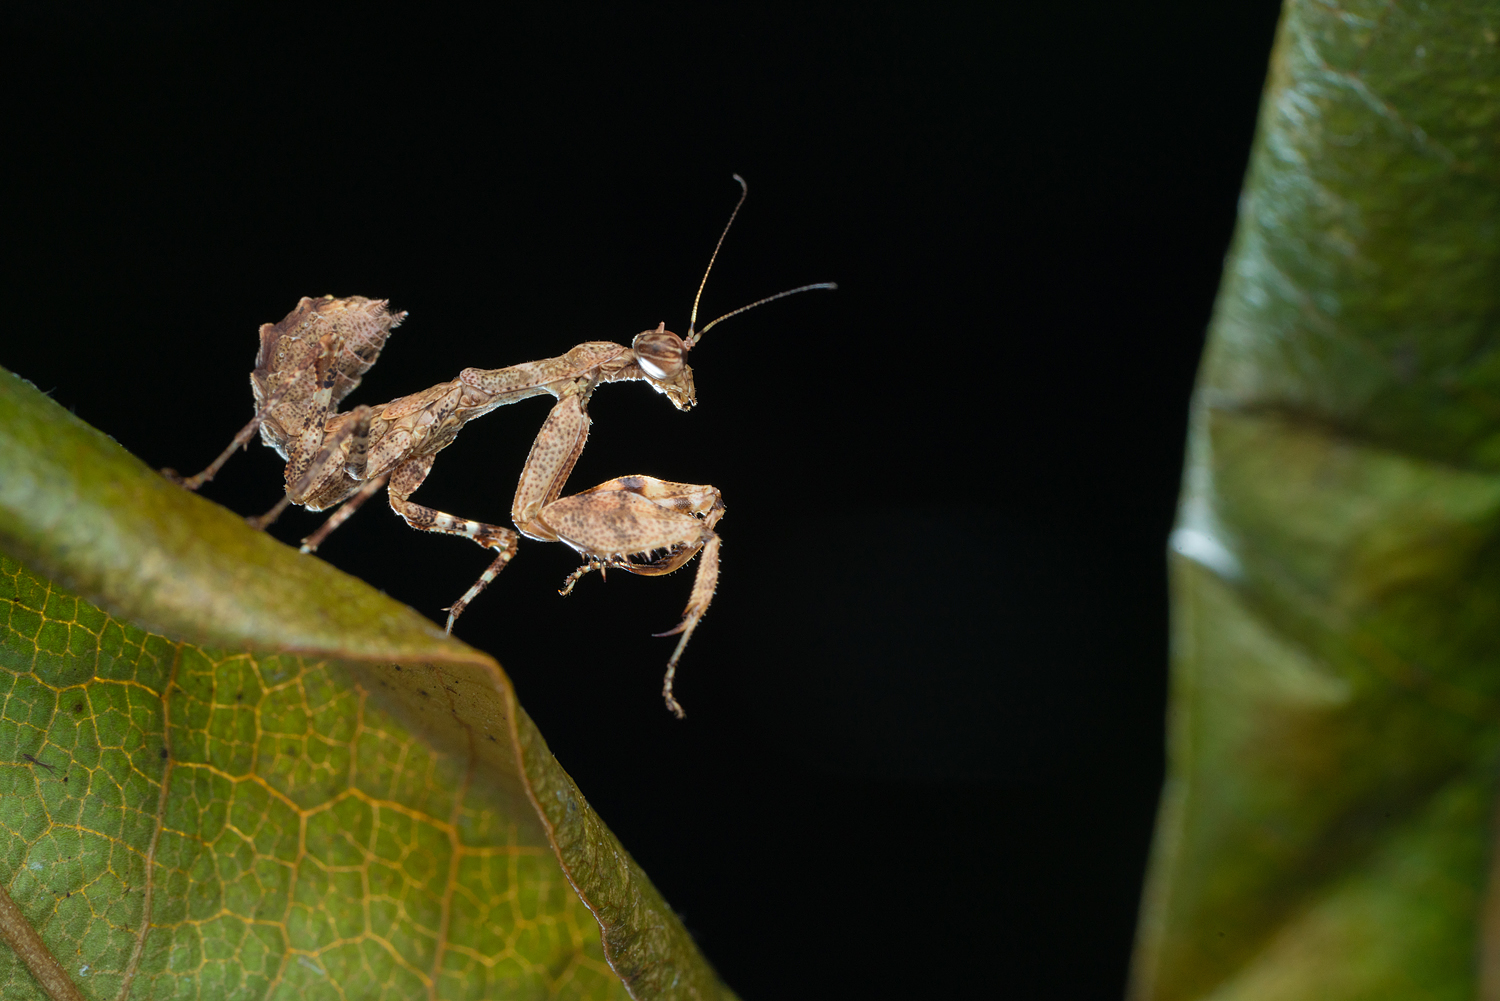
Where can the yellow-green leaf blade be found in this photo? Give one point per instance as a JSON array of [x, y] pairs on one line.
[[286, 835], [237, 612]]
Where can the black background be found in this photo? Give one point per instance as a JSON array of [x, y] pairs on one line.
[[924, 733]]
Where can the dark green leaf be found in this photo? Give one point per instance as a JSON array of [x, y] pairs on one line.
[[1327, 825]]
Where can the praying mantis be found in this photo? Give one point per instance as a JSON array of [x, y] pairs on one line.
[[640, 524]]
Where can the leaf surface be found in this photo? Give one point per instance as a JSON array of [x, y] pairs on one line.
[[232, 771], [1327, 827]]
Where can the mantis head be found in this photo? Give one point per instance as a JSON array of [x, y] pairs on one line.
[[662, 356]]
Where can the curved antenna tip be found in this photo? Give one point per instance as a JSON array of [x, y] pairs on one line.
[[693, 317], [693, 338]]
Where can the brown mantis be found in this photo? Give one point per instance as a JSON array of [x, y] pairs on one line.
[[640, 524]]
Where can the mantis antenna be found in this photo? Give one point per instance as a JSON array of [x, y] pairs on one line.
[[693, 335], [693, 338]]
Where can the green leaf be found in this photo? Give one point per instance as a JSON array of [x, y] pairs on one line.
[[1327, 829], [231, 771]]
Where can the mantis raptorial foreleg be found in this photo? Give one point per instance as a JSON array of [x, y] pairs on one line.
[[621, 523], [638, 516]]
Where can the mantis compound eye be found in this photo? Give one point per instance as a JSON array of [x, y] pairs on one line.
[[659, 353]]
